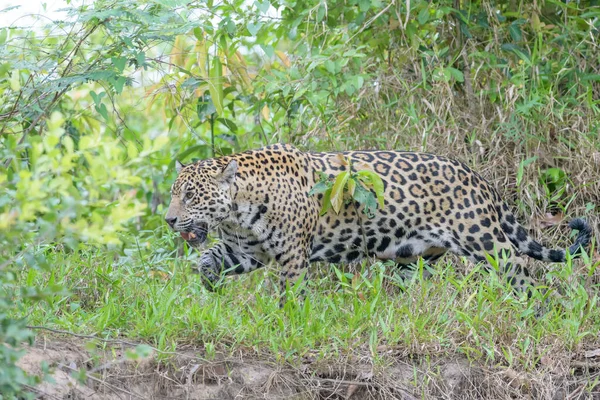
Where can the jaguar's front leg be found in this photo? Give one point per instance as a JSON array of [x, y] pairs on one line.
[[226, 259]]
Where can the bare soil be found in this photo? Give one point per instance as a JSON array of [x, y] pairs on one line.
[[184, 375]]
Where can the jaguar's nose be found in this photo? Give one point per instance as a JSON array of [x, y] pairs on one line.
[[171, 221]]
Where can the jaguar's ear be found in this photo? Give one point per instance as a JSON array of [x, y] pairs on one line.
[[178, 166], [227, 175]]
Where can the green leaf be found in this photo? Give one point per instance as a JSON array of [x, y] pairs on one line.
[[229, 124], [119, 83], [372, 178], [522, 166], [320, 187], [198, 34], [326, 202], [3, 35], [140, 59], [367, 199], [515, 32], [590, 77], [330, 66], [200, 151], [205, 107], [97, 97], [253, 28], [321, 12], [268, 49], [351, 186], [456, 74], [119, 63], [337, 192], [102, 110], [423, 16], [263, 6], [518, 50], [215, 85], [364, 5]]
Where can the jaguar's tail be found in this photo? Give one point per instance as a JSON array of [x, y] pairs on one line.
[[527, 245]]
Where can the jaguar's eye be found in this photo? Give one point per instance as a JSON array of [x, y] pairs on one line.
[[189, 195]]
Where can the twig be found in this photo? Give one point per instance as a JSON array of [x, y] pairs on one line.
[[365, 26], [59, 94], [190, 379], [14, 107], [100, 381], [40, 393], [338, 382], [585, 365]]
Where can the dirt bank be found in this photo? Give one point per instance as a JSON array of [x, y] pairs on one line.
[[185, 375]]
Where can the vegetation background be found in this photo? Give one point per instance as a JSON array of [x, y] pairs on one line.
[[98, 102]]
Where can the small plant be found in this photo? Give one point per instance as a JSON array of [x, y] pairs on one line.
[[554, 182], [364, 186]]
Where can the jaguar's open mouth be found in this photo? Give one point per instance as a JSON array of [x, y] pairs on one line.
[[197, 235]]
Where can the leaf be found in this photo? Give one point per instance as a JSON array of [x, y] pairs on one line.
[[229, 124], [119, 63], [119, 83], [339, 160], [215, 85], [265, 112], [284, 58], [456, 74], [15, 81], [590, 77], [321, 12], [230, 26], [320, 187], [367, 199], [375, 180], [423, 16], [330, 66], [515, 32], [351, 186], [102, 110], [522, 166], [535, 21], [337, 192], [253, 28], [364, 5], [519, 51], [205, 107], [202, 57], [326, 202], [263, 6], [268, 49], [198, 34]]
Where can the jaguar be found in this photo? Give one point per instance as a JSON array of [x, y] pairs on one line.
[[258, 201]]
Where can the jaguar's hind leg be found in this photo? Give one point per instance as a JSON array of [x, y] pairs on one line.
[[510, 266], [407, 266]]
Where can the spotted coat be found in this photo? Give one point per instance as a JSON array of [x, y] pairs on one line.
[[258, 202]]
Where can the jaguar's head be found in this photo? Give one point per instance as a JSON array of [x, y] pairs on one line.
[[201, 198]]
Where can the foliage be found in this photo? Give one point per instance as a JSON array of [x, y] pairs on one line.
[[362, 187], [96, 106]]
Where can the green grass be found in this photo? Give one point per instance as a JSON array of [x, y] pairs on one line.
[[149, 294]]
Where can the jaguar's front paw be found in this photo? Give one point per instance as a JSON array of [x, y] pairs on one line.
[[208, 271]]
